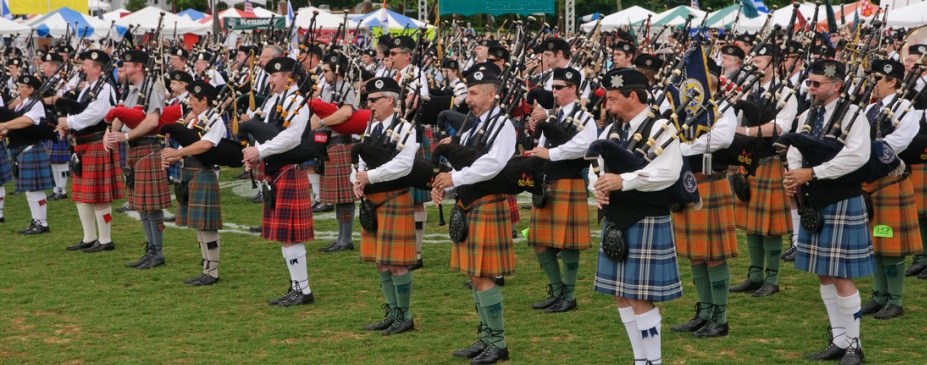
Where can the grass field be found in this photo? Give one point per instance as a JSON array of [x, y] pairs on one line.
[[77, 308]]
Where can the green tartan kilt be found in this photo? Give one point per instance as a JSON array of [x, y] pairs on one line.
[[203, 209]]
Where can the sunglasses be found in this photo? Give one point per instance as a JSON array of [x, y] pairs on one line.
[[374, 100], [491, 59], [393, 53], [816, 84], [558, 87]]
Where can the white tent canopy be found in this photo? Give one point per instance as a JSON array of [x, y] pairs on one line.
[[325, 20], [779, 16], [908, 16], [9, 27], [620, 19], [677, 16], [147, 20], [97, 5], [65, 20], [115, 14], [264, 13], [235, 2]]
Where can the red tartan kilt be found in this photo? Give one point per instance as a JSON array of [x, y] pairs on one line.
[[291, 219], [336, 182], [394, 241], [564, 220], [152, 191], [101, 176], [894, 206], [513, 208], [707, 234], [488, 250], [768, 212], [919, 180]]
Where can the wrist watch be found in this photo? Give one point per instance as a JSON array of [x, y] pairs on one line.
[[321, 122]]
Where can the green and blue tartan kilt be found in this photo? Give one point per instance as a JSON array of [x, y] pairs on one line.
[[488, 250], [650, 272], [100, 180], [291, 219], [843, 247], [152, 191], [564, 221], [6, 165], [35, 173], [919, 179], [394, 241], [203, 210], [708, 234], [418, 195], [58, 150], [336, 181]]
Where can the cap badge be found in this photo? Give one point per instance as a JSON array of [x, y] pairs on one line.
[[617, 81]]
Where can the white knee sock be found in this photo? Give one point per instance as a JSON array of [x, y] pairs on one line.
[[796, 222], [60, 174], [837, 324], [211, 243], [104, 223], [649, 325], [634, 334], [87, 218], [2, 199], [850, 308], [315, 182], [38, 206], [295, 256], [420, 219]]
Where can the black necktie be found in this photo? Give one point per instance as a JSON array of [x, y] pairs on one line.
[[83, 96], [560, 117], [377, 130], [625, 129], [818, 121], [873, 112], [758, 95]]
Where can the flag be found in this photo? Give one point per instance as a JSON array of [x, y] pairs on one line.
[[694, 79], [831, 18], [289, 13], [5, 10], [865, 8], [855, 23], [694, 5], [760, 7], [248, 8], [749, 9], [384, 17]]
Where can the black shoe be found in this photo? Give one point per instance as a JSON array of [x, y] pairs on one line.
[[255, 229], [315, 204], [693, 325], [789, 255], [561, 306], [296, 298], [194, 280], [258, 198], [81, 245], [871, 307], [552, 298], [35, 228], [140, 261], [152, 263], [915, 269], [922, 275], [399, 326], [57, 196], [2, 219], [766, 290], [244, 175], [172, 218], [329, 247], [206, 281], [468, 284], [746, 286], [490, 355], [322, 208], [471, 351], [124, 208], [340, 247], [97, 247], [379, 326], [417, 265], [832, 352], [712, 329], [853, 356], [278, 300], [889, 311], [500, 281]]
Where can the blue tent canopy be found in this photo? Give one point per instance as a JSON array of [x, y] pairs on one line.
[[76, 23]]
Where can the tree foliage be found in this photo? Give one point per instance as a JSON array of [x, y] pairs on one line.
[[136, 5]]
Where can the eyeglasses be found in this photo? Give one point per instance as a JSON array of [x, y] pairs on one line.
[[324, 70], [374, 100], [492, 59], [393, 53], [558, 87], [817, 84]]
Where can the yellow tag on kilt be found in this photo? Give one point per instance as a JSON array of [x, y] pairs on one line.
[[883, 231]]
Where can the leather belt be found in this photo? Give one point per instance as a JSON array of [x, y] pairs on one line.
[[89, 138], [144, 141], [700, 177], [340, 140]]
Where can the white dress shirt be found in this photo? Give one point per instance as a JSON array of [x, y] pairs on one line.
[[95, 111], [292, 135], [399, 166], [905, 129], [660, 173], [853, 155], [576, 147], [490, 164], [720, 136]]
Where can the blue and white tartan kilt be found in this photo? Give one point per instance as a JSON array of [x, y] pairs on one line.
[[6, 165], [174, 170], [58, 150], [35, 173], [650, 272], [843, 247]]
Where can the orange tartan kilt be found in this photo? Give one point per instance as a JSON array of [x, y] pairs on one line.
[[394, 241], [707, 234], [564, 221], [893, 205], [488, 250]]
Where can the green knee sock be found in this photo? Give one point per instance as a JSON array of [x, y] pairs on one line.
[[922, 257], [720, 277], [483, 321], [491, 303], [570, 272], [403, 284], [548, 261], [894, 278], [879, 284], [703, 289], [772, 246], [389, 291], [755, 246]]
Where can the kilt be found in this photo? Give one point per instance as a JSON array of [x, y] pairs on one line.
[[564, 221], [843, 247], [203, 210], [336, 182], [35, 173], [394, 241], [152, 191], [424, 151], [58, 151], [893, 206], [101, 176], [488, 250], [513, 208], [919, 180], [291, 219], [6, 165], [650, 271], [708, 234], [768, 212]]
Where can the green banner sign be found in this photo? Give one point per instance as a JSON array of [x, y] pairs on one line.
[[253, 23], [521, 7]]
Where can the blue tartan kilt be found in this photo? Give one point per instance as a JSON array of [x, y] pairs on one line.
[[843, 247], [6, 165], [650, 272], [35, 173], [58, 151], [174, 170]]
